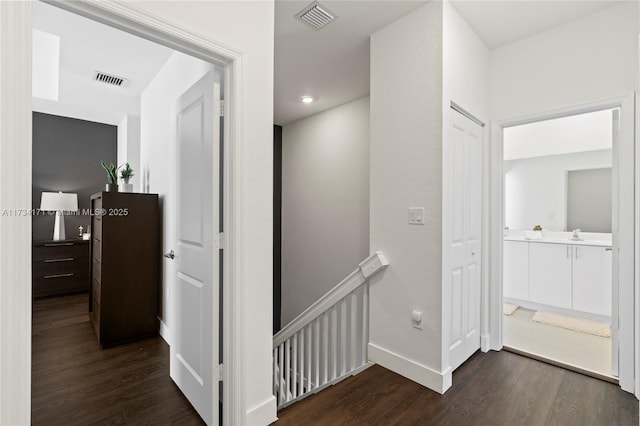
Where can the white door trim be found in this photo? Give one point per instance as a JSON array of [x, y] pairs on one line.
[[627, 236], [15, 231], [15, 190]]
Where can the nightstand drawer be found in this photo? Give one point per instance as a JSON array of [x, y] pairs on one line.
[[67, 265], [61, 250], [60, 284]]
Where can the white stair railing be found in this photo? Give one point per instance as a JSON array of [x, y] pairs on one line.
[[328, 341]]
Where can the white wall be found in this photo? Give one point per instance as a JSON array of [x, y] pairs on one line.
[[593, 58], [129, 148], [247, 27], [325, 202], [406, 171], [465, 82], [535, 189], [122, 141], [465, 66]]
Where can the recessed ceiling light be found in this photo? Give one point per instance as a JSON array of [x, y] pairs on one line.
[[307, 99]]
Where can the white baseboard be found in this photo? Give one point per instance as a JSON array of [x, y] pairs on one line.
[[263, 414], [164, 332], [485, 343], [419, 373]]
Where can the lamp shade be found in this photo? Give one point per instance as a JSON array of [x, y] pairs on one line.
[[58, 201]]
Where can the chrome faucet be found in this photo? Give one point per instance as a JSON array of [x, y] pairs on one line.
[[576, 235]]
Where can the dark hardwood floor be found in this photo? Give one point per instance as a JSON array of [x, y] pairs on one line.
[[76, 382], [497, 388]]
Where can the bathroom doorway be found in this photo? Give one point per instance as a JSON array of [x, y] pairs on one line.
[[560, 216]]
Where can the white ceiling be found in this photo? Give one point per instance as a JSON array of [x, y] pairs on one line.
[[87, 46], [502, 22], [566, 135], [333, 64]]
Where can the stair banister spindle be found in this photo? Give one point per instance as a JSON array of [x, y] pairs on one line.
[[328, 341]]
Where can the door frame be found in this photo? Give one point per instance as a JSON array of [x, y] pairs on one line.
[[627, 237], [15, 190]]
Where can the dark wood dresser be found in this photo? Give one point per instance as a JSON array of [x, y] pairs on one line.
[[60, 267], [125, 266]]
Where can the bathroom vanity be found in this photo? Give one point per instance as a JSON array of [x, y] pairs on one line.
[[559, 273]]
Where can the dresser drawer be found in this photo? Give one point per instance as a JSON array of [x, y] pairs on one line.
[[96, 228], [96, 245], [62, 250], [94, 315], [96, 272], [96, 290]]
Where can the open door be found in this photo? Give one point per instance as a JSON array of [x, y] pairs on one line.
[[194, 364]]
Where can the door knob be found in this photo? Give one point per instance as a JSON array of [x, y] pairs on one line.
[[170, 255]]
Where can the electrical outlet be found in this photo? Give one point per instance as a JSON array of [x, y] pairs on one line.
[[416, 215]]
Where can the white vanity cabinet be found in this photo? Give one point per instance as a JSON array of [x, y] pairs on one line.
[[516, 270], [592, 279], [550, 274], [571, 276]]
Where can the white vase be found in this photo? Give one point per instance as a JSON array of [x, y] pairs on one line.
[[125, 187]]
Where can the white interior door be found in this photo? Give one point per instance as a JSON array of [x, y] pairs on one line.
[[465, 168], [194, 365]]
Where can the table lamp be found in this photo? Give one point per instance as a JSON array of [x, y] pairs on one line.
[[58, 202]]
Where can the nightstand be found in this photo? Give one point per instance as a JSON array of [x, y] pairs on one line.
[[60, 267]]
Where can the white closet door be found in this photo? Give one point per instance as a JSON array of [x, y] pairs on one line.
[[464, 276]]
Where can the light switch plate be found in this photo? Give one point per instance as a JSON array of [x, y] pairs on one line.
[[416, 319], [416, 215]]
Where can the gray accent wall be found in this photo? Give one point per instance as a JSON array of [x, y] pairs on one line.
[[66, 157]]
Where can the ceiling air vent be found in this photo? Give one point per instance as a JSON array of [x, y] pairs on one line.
[[316, 15], [113, 80]]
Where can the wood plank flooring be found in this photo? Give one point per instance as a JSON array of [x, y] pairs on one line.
[[497, 388], [76, 382]]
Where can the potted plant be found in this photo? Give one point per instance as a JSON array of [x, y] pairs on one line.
[[126, 173], [112, 176]]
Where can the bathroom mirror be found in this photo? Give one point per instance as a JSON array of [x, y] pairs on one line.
[[589, 200], [557, 174]]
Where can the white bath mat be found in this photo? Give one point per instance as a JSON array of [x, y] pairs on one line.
[[508, 308], [573, 323]]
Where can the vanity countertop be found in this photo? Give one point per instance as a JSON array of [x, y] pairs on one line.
[[565, 241]]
